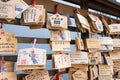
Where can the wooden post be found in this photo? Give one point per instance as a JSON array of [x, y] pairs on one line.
[[84, 5]]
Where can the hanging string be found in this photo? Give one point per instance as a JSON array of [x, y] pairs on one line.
[[111, 21], [57, 9], [77, 11], [57, 76], [35, 41], [118, 22], [34, 3], [1, 25], [2, 63]]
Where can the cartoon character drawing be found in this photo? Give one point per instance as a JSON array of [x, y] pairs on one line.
[[33, 57]]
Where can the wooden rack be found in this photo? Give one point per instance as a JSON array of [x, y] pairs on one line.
[[49, 6]]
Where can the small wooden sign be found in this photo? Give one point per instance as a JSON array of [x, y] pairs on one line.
[[34, 16], [79, 44], [20, 6], [94, 58], [108, 60], [31, 58], [61, 61], [8, 44], [8, 76], [116, 66], [73, 69], [114, 28], [96, 23], [93, 44], [83, 21], [99, 25], [79, 57], [39, 74], [60, 45], [57, 21], [106, 40], [79, 75], [6, 66], [61, 35], [105, 77], [116, 45], [105, 70], [115, 55], [7, 10]]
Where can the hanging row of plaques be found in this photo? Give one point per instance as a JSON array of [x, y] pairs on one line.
[[32, 61], [93, 24], [34, 16], [102, 44]]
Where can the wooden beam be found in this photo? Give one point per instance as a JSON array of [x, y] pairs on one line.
[[108, 3], [84, 4], [39, 40], [84, 36], [13, 57], [100, 5], [104, 8], [50, 6]]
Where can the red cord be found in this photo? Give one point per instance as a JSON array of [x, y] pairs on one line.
[[34, 3]]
